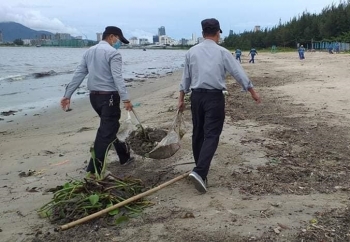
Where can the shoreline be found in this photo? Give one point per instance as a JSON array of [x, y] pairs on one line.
[[13, 114]]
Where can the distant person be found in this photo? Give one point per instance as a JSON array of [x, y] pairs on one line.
[[204, 73], [330, 49], [337, 48], [238, 53], [103, 63], [252, 54], [301, 51]]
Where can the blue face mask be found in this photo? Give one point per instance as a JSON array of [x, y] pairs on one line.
[[117, 44]]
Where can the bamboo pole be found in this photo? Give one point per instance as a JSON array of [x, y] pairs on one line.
[[129, 200]]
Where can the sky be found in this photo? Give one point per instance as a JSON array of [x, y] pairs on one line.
[[142, 18]]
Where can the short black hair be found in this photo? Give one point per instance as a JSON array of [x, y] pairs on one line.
[[210, 32], [105, 35]]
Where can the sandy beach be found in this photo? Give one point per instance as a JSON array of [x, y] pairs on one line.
[[279, 165]]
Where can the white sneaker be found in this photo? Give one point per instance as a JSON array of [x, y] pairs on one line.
[[198, 182]]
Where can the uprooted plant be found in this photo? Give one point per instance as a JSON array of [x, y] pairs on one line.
[[77, 199]]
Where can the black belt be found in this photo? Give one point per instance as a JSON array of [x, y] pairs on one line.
[[103, 92], [206, 90]]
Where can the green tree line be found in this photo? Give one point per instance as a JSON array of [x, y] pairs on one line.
[[332, 24]]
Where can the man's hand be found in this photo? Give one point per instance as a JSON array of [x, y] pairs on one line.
[[65, 103], [127, 105], [255, 95], [181, 105]]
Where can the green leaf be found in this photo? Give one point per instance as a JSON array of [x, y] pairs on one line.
[[94, 199], [45, 213], [67, 185], [121, 219], [113, 212]]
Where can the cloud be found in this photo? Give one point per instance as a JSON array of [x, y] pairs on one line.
[[140, 34], [34, 19]]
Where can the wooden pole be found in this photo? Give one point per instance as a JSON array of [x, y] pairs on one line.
[[129, 200]]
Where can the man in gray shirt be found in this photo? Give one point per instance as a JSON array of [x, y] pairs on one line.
[[103, 63], [204, 73]]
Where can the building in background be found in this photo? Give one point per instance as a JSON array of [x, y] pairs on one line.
[[143, 41], [193, 40], [45, 36], [183, 41], [98, 36], [155, 39], [164, 40], [62, 36], [257, 28], [133, 41], [1, 39], [230, 33], [161, 31], [26, 41]]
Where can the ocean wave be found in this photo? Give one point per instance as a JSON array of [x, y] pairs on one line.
[[9, 94], [36, 75]]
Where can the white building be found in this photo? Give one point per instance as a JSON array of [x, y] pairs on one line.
[[98, 36], [143, 41], [163, 40], [26, 41], [256, 28], [133, 41], [166, 40]]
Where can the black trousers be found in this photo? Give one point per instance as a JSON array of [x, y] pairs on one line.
[[208, 115], [107, 106]]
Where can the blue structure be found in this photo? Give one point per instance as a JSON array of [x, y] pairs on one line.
[[336, 46]]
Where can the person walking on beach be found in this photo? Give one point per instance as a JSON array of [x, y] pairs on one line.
[[238, 53], [204, 74], [252, 54], [103, 63], [301, 51]]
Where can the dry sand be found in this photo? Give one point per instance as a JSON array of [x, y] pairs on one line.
[[266, 181]]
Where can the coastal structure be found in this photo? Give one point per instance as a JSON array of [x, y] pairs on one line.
[[98, 37]]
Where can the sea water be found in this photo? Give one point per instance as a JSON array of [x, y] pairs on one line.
[[35, 77]]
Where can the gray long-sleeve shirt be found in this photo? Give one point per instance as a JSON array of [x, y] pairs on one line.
[[103, 63], [206, 65]]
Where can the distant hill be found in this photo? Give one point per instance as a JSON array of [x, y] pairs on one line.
[[12, 30]]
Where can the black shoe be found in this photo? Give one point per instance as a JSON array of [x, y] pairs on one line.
[[198, 182], [128, 161], [206, 182]]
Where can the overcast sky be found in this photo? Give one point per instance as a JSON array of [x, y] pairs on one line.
[[142, 18]]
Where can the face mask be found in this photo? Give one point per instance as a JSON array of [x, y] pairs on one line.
[[117, 44]]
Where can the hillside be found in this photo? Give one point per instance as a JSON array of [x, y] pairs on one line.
[[12, 31]]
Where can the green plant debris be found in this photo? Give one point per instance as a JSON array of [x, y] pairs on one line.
[[77, 199]]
